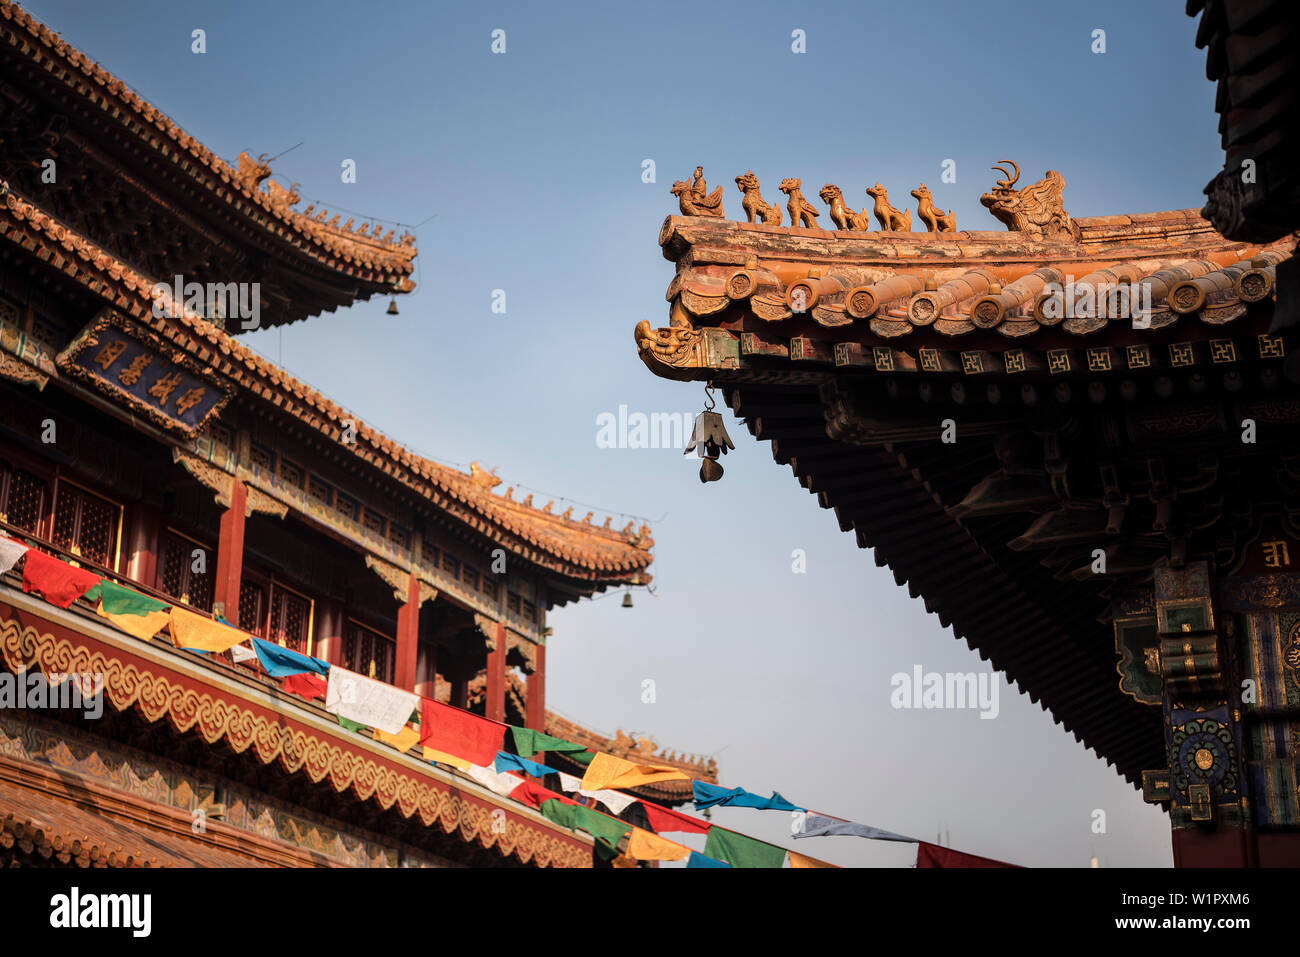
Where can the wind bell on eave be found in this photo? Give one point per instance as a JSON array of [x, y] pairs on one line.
[[710, 439]]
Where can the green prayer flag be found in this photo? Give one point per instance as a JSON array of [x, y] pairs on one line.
[[741, 851], [350, 725], [120, 600], [607, 831], [582, 757], [528, 742]]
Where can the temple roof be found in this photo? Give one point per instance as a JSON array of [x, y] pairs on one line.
[[1093, 371], [968, 291], [575, 548], [162, 200]]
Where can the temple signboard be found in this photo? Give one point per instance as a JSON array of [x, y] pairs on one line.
[[142, 372]]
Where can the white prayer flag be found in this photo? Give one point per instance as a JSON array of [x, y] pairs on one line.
[[616, 801], [243, 653], [366, 701], [497, 781], [10, 552]]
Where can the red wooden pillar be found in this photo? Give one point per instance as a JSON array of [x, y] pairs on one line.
[[144, 545], [426, 682], [537, 691], [327, 643], [408, 636], [496, 677], [459, 688], [230, 555]]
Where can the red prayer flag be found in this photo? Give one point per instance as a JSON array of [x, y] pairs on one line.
[[663, 819], [932, 855], [533, 794], [459, 733], [58, 582], [306, 684]]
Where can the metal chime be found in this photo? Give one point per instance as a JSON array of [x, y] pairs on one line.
[[710, 439]]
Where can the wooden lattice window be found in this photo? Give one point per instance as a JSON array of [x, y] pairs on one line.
[[369, 653], [263, 458], [451, 564], [398, 536], [429, 553], [291, 474], [290, 618], [252, 605], [470, 577], [318, 490], [489, 588], [176, 574], [85, 524], [513, 603], [374, 521], [23, 497], [345, 506]]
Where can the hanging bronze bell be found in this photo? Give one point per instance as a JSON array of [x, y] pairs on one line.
[[710, 470], [627, 599], [392, 306], [710, 439]]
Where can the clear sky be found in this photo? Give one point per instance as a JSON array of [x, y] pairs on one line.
[[531, 163]]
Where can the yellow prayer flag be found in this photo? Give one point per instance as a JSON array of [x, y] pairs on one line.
[[402, 741], [190, 630], [799, 860], [443, 758], [607, 771], [646, 846], [143, 627]]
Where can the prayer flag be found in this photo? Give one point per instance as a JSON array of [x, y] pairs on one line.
[[616, 801], [711, 795], [606, 830], [402, 741], [665, 819], [802, 860], [371, 702], [819, 825], [308, 685], [58, 582], [513, 762], [932, 855], [699, 860], [282, 662], [431, 754], [242, 653], [645, 846], [534, 795], [10, 552], [461, 733], [495, 781], [349, 725], [136, 614], [608, 771], [528, 742], [194, 632], [741, 851]]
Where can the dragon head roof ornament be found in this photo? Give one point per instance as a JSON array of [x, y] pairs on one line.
[[1036, 209]]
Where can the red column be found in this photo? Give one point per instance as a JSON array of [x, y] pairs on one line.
[[537, 691], [144, 545], [408, 636], [327, 643], [426, 670], [496, 677], [230, 555]]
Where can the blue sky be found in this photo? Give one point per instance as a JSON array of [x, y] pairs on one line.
[[531, 164]]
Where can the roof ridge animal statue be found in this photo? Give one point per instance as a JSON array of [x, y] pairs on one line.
[[768, 213], [891, 219], [802, 212], [1036, 209], [936, 221], [694, 200], [843, 216]]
